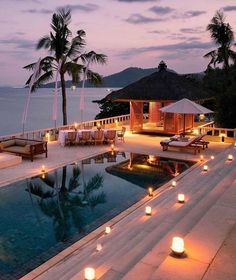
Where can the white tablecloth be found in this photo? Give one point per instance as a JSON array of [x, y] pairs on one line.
[[63, 133]]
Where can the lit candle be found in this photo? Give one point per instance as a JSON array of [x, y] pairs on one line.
[[89, 273], [201, 157], [212, 157], [99, 247], [148, 210], [75, 125], [181, 198], [173, 184], [112, 147], [107, 230], [205, 168], [150, 191], [177, 246], [43, 176], [230, 157], [43, 168]]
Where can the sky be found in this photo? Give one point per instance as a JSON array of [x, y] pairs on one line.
[[132, 33]]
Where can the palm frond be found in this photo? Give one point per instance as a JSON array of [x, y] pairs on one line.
[[94, 183], [74, 70], [94, 77], [97, 199], [44, 42]]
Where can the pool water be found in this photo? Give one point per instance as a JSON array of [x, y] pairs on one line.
[[43, 215]]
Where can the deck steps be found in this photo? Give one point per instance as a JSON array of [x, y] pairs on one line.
[[144, 250]]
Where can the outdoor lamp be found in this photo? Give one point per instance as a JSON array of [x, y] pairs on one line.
[[48, 136], [177, 246], [107, 230], [201, 157], [205, 168], [230, 157], [112, 147], [99, 247], [98, 126], [75, 125], [148, 211], [173, 184], [181, 198], [43, 168], [89, 273], [150, 191], [212, 157]]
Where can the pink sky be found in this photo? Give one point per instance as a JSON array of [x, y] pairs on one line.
[[130, 32]]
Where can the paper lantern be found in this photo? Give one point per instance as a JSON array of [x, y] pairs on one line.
[[173, 184], [181, 198], [108, 230]]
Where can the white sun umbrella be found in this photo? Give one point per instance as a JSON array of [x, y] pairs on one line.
[[185, 106]]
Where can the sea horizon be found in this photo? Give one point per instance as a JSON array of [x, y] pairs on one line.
[[12, 102]]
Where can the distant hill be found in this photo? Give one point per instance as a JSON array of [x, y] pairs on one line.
[[120, 79]]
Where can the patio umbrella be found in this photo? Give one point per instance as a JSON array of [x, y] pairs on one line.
[[185, 106]]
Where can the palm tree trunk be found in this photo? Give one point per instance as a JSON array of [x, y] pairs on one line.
[[63, 92]]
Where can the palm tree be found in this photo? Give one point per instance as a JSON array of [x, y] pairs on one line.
[[67, 56], [223, 36]]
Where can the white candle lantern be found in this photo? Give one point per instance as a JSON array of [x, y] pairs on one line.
[[89, 273], [177, 246], [108, 230], [150, 191], [43, 168], [173, 184], [99, 247], [212, 157], [230, 157], [112, 147], [201, 157], [181, 198], [148, 210], [205, 168]]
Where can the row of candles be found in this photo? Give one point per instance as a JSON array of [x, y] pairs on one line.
[[177, 246]]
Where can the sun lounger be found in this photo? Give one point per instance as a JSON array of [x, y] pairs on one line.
[[192, 144]]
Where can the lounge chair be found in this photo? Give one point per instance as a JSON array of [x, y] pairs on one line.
[[192, 144]]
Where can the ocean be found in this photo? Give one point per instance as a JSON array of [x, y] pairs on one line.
[[12, 102]]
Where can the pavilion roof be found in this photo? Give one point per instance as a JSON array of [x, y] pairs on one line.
[[161, 85]]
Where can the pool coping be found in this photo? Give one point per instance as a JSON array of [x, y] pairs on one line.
[[97, 233]]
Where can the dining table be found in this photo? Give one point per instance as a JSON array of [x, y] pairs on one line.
[[63, 133]]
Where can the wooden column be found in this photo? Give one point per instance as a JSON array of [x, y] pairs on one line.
[[136, 115], [154, 112]]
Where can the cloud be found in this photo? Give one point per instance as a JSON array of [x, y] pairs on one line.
[[190, 14], [140, 19], [139, 1], [38, 11], [158, 31], [229, 8], [19, 43], [186, 45], [192, 30], [83, 8], [161, 10]]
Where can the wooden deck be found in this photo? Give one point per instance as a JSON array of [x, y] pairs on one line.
[[138, 247]]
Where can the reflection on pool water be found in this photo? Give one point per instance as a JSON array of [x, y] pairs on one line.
[[43, 215]]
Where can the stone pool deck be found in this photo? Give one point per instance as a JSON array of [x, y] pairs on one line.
[[138, 247]]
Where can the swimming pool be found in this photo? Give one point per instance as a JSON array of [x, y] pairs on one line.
[[43, 215]]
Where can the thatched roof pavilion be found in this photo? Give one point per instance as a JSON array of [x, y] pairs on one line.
[[161, 85], [158, 90]]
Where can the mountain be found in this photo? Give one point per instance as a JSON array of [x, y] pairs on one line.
[[120, 79]]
